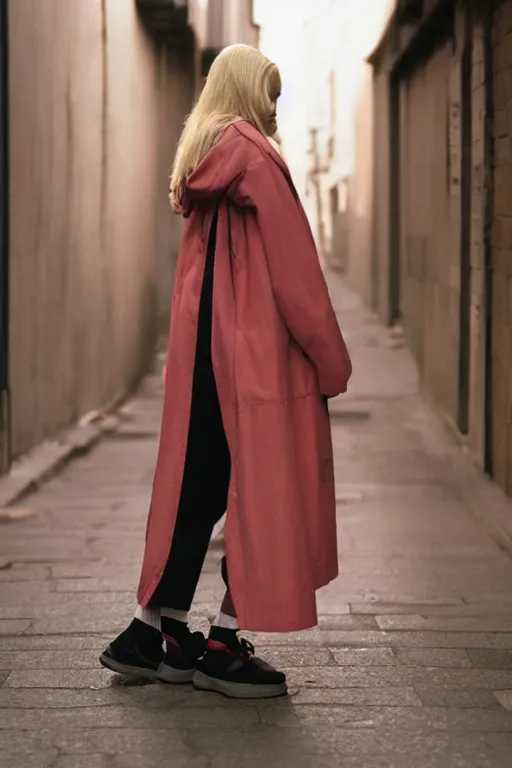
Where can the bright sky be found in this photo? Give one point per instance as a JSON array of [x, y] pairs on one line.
[[308, 39]]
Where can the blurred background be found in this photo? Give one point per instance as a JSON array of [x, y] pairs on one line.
[[395, 119]]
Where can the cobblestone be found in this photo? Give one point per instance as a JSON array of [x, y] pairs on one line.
[[432, 657], [48, 660], [365, 697], [505, 699], [46, 642], [411, 664], [58, 678], [488, 659], [476, 698], [362, 677], [446, 623], [353, 657], [13, 627]]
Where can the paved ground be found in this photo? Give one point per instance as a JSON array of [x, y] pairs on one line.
[[411, 666]]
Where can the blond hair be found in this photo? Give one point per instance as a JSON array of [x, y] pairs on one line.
[[242, 85]]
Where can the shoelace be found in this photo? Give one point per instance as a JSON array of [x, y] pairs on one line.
[[249, 650]]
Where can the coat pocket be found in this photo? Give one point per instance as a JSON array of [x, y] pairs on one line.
[[302, 374]]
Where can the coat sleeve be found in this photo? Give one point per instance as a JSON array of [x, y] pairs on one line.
[[298, 283]]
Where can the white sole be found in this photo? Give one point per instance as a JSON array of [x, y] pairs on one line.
[[167, 674], [238, 690], [126, 669]]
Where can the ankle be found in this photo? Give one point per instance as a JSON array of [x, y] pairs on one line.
[[141, 633], [173, 613], [174, 628], [223, 635]]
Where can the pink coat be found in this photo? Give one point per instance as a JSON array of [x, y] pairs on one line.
[[276, 348]]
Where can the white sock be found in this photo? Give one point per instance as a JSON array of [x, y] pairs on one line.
[[149, 616], [225, 621], [171, 613]]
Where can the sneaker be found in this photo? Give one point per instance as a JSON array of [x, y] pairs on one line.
[[230, 667], [136, 652], [184, 648]]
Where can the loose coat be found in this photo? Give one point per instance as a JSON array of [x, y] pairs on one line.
[[276, 348]]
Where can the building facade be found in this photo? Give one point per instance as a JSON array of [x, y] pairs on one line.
[[440, 261], [89, 123]]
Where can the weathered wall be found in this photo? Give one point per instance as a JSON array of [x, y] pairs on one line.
[[89, 94], [359, 263], [380, 249], [429, 224], [175, 98], [501, 254], [478, 300], [453, 131]]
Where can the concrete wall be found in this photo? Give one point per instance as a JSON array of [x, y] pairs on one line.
[[442, 215], [176, 85], [381, 211], [95, 112], [453, 133], [359, 262], [501, 253], [430, 222], [478, 301], [238, 22]]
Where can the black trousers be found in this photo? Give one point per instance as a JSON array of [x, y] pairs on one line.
[[204, 491]]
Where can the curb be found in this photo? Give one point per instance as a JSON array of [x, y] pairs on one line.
[[33, 470]]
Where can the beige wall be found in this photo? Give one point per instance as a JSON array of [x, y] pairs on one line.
[[175, 94], [359, 242], [451, 221], [94, 115], [430, 222], [417, 203], [219, 23], [382, 263]]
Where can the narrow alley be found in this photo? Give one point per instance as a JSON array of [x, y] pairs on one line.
[[394, 120], [411, 664]]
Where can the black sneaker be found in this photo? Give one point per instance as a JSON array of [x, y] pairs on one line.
[[136, 652], [231, 668], [184, 648]]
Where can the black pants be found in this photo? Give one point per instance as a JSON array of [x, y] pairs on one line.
[[207, 468]]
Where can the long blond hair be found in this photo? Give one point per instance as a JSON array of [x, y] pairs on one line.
[[242, 85]]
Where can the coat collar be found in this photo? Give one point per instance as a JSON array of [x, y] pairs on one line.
[[251, 133]]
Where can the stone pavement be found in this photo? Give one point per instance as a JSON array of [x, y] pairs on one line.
[[411, 666]]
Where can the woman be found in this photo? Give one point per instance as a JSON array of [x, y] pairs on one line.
[[254, 351]]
